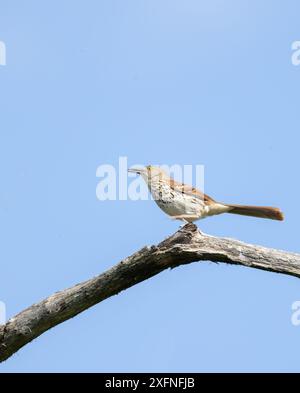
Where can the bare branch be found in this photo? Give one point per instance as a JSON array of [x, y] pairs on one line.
[[183, 247]]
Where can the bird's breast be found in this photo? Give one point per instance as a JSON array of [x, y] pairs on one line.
[[176, 203]]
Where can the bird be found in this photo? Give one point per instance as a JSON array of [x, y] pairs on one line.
[[184, 202]]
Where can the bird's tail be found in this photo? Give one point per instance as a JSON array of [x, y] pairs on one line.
[[273, 213]]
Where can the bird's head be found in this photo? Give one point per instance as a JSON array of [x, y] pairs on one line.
[[149, 173]]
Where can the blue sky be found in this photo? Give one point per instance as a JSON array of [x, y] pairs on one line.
[[164, 82]]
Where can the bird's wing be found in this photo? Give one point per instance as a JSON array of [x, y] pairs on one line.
[[189, 190]]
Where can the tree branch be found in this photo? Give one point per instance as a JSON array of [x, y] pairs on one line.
[[185, 246]]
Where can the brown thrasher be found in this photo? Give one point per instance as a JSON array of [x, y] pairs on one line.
[[186, 203]]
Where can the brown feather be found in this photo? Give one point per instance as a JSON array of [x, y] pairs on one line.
[[189, 190], [273, 213]]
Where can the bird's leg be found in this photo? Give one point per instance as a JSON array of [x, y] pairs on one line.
[[181, 219], [184, 222], [185, 218]]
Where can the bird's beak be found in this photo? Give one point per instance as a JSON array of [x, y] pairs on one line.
[[138, 171]]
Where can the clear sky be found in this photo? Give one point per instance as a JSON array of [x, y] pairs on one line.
[[164, 82]]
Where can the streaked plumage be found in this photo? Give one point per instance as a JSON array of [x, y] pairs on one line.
[[186, 203]]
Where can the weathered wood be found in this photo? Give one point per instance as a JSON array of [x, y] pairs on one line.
[[185, 246]]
